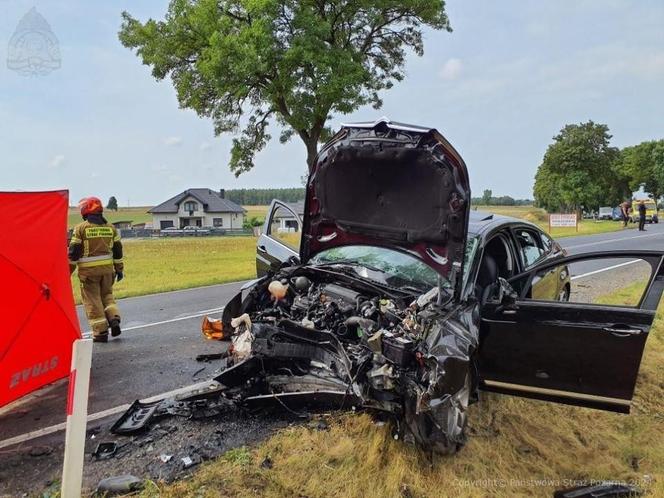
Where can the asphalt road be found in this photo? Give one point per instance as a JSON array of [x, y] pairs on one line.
[[156, 352]]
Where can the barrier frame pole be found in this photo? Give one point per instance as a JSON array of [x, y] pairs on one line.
[[77, 418]]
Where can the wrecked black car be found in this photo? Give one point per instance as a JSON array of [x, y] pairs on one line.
[[398, 300]]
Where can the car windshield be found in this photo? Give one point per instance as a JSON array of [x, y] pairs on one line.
[[387, 265]]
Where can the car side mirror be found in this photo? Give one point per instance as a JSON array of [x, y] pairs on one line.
[[293, 261]]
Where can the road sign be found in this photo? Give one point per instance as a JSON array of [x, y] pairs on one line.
[[559, 220]]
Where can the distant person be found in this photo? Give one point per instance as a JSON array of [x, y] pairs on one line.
[[96, 249], [625, 208], [642, 216]]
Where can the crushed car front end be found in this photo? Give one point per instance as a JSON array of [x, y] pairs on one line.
[[387, 330]]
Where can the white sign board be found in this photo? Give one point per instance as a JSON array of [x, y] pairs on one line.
[[562, 220]]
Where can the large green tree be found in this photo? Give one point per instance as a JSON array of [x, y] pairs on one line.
[[247, 63], [644, 166], [580, 170]]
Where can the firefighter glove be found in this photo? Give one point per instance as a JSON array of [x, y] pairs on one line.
[[119, 276]]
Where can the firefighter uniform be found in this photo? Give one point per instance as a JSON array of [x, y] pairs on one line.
[[96, 250]]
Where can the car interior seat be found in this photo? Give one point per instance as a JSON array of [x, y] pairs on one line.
[[486, 278]]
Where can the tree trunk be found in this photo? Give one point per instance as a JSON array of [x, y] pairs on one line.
[[312, 150]]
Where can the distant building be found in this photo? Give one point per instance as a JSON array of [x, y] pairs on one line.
[[198, 207], [122, 224]]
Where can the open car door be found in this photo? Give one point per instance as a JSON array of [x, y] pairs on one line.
[[279, 241], [585, 350]]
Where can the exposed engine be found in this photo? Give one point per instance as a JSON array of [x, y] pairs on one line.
[[306, 338]]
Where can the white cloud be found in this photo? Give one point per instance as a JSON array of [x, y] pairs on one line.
[[451, 70], [171, 141], [56, 161], [205, 145]]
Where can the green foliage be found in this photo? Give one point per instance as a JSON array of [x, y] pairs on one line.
[[248, 63], [580, 170], [252, 222], [263, 196], [503, 200], [644, 165], [112, 204]]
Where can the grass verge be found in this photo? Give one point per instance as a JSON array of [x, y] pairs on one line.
[[159, 265], [516, 447]]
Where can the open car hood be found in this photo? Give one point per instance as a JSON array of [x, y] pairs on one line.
[[392, 185]]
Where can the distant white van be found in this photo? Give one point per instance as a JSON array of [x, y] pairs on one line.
[[605, 213]]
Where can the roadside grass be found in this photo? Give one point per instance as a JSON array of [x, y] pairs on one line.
[[138, 214], [540, 217], [516, 447], [159, 265]]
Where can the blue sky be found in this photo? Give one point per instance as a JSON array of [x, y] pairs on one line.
[[500, 86]]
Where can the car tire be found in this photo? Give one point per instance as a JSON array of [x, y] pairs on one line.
[[428, 432]]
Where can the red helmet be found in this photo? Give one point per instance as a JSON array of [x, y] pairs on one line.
[[90, 205]]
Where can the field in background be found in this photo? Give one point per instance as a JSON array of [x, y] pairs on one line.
[[539, 217], [516, 447], [179, 263], [158, 265], [136, 214], [256, 211], [535, 215]]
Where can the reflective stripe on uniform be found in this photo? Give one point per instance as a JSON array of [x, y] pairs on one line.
[[96, 321], [116, 238], [90, 261], [116, 261], [86, 247], [95, 263], [75, 240]]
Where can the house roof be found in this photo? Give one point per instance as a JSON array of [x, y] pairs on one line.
[[210, 199]]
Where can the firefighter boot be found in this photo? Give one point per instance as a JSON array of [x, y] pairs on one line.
[[100, 338], [115, 328]]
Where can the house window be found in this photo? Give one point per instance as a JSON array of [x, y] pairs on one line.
[[218, 222], [190, 206]]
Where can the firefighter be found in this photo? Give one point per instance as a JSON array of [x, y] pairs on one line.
[[96, 249]]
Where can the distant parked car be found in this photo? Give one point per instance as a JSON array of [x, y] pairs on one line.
[[605, 213], [617, 214], [195, 230], [171, 232]]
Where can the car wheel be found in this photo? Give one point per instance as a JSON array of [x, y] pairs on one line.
[[443, 428]]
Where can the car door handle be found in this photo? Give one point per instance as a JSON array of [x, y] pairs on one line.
[[262, 248], [620, 331]]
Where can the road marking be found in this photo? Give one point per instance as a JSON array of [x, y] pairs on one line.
[[588, 244], [22, 438], [177, 291], [608, 268], [163, 322]]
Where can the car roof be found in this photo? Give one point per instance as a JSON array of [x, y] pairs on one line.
[[482, 223]]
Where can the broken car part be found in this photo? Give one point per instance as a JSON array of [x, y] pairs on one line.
[[202, 403], [600, 490], [119, 485], [104, 451]]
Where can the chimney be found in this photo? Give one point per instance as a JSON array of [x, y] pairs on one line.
[[222, 193]]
